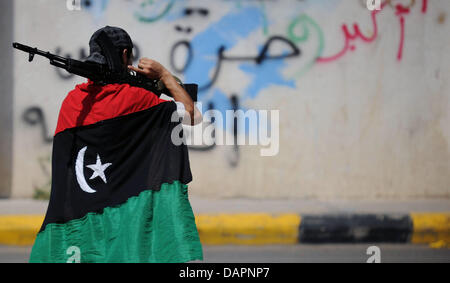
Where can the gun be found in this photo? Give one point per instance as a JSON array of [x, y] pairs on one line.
[[104, 74]]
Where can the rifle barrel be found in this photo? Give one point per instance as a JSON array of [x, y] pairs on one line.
[[32, 51], [26, 48]]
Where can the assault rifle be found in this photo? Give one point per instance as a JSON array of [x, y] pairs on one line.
[[105, 74]]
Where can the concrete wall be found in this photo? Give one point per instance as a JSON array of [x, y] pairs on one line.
[[363, 101], [6, 93]]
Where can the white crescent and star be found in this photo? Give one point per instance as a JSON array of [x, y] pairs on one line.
[[98, 168]]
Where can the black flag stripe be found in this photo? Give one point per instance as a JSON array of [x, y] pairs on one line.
[[141, 154]]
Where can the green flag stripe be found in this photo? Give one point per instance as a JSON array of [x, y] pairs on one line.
[[155, 226]]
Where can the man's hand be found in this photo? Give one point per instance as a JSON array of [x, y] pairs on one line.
[[155, 71], [150, 68]]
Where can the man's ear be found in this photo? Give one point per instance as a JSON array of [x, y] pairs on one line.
[[125, 57]]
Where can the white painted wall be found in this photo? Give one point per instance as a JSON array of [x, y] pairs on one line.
[[365, 125]]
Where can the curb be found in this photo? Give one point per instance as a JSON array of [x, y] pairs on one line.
[[19, 230], [289, 228]]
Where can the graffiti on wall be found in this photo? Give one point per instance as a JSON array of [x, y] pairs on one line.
[[207, 52]]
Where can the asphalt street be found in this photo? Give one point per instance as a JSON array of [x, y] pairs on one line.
[[334, 253]]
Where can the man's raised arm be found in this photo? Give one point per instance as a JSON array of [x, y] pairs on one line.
[[154, 70]]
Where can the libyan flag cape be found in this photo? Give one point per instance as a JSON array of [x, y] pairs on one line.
[[119, 193]]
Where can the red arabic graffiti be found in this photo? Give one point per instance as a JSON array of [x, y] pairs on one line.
[[424, 6], [400, 11]]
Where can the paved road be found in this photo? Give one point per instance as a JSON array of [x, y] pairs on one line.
[[293, 253]]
